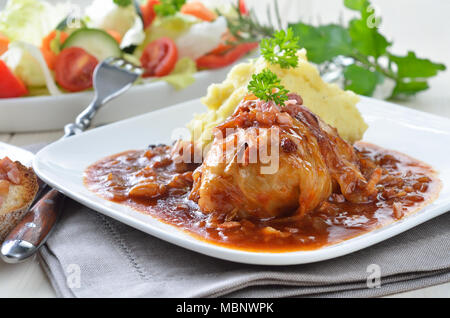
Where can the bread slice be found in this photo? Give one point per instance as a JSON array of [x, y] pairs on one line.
[[18, 200]]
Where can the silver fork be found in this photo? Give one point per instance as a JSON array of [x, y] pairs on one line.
[[112, 77]]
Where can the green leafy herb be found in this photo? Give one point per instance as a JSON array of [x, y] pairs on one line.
[[324, 42], [267, 86], [364, 31], [362, 80], [168, 7], [411, 66], [368, 51], [123, 3], [412, 73], [358, 5], [281, 49]]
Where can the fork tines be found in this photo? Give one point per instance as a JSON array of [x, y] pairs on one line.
[[124, 65]]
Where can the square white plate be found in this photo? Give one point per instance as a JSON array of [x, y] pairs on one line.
[[423, 136]]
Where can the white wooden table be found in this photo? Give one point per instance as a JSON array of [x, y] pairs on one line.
[[422, 26]]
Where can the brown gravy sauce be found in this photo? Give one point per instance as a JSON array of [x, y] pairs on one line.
[[407, 185]]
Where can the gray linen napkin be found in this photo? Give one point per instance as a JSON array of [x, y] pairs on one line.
[[91, 255]]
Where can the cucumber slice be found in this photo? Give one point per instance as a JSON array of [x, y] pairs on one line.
[[95, 41]]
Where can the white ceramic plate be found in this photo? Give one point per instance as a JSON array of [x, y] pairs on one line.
[[53, 112], [423, 136]]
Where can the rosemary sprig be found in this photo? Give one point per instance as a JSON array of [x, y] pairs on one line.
[[247, 28]]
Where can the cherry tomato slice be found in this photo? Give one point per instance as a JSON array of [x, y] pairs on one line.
[[159, 57], [212, 61], [243, 7], [10, 85], [74, 68], [148, 12], [221, 49]]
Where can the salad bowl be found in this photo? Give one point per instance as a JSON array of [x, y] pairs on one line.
[[53, 112], [52, 47]]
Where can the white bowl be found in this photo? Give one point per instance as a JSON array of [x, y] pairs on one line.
[[53, 112]]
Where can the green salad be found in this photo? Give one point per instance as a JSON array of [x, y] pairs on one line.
[[51, 49]]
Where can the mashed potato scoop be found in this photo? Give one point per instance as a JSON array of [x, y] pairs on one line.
[[335, 106]]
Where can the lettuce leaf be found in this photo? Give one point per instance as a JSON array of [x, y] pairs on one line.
[[182, 75], [30, 20], [172, 27]]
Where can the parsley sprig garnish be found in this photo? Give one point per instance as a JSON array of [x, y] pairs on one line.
[[281, 48], [267, 86], [168, 7]]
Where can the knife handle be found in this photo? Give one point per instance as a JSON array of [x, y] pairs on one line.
[[34, 229]]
